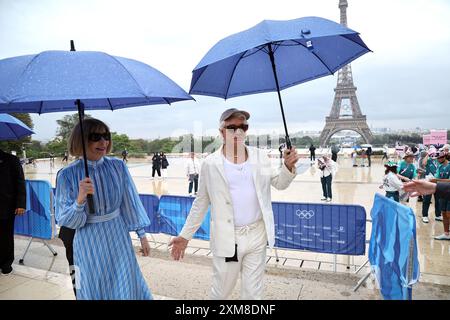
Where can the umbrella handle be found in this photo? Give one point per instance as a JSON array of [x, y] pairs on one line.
[[90, 203], [288, 143], [274, 70], [90, 199]]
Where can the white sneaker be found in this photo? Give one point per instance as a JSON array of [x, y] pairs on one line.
[[329, 200], [323, 199], [425, 220], [438, 218], [443, 237]]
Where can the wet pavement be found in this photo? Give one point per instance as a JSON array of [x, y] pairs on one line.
[[351, 185]]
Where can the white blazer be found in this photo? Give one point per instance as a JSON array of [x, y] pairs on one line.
[[213, 190]]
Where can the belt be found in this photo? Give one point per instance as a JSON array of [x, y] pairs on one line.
[[245, 229], [103, 218]]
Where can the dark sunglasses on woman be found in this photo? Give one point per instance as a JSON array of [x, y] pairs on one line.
[[95, 136], [243, 127]]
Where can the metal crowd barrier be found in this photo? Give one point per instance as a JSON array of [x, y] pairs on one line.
[[38, 222], [324, 228]]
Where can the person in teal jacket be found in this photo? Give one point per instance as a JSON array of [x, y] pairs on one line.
[[406, 169], [443, 175], [430, 165]]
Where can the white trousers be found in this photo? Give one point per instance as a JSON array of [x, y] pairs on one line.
[[251, 243]]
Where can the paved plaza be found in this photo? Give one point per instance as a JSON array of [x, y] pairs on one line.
[[296, 274]]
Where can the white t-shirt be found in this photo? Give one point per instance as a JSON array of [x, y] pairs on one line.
[[243, 193], [391, 182]]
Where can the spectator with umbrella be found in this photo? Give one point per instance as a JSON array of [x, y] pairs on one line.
[[334, 152]]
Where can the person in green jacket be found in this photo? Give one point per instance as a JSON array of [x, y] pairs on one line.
[[406, 169]]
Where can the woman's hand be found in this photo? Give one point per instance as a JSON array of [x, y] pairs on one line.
[[145, 247], [85, 187]]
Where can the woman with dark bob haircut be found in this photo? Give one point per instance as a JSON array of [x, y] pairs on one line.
[[104, 259]]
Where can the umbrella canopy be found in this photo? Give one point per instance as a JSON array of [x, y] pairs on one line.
[[12, 128], [52, 81], [55, 81], [274, 55]]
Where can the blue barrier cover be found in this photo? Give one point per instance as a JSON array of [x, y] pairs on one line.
[[396, 266], [151, 205], [37, 221], [327, 228], [173, 211], [337, 229]]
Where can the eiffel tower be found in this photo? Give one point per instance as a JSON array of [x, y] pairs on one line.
[[345, 113]]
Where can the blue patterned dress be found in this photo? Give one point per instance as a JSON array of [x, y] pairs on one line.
[[105, 262]]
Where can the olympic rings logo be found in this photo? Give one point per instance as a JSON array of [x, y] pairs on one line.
[[304, 214]]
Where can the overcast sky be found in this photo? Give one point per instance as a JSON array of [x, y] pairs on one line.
[[402, 84]]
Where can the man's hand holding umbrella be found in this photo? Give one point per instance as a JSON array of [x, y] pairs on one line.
[[291, 157]]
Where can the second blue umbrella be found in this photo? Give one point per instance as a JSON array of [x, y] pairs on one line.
[[12, 128]]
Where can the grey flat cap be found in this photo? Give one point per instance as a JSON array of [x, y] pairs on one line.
[[228, 113]]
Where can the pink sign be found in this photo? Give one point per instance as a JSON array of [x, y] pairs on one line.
[[438, 136], [427, 139]]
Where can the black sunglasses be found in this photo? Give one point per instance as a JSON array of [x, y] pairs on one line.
[[243, 127], [95, 136]]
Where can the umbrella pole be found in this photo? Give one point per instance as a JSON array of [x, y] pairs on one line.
[[90, 199], [272, 60]]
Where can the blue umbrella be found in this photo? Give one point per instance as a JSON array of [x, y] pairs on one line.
[[274, 55], [12, 128], [55, 81]]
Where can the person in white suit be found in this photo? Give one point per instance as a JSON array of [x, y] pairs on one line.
[[236, 181]]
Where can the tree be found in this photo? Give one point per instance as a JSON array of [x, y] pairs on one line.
[[120, 142], [57, 146], [66, 124]]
